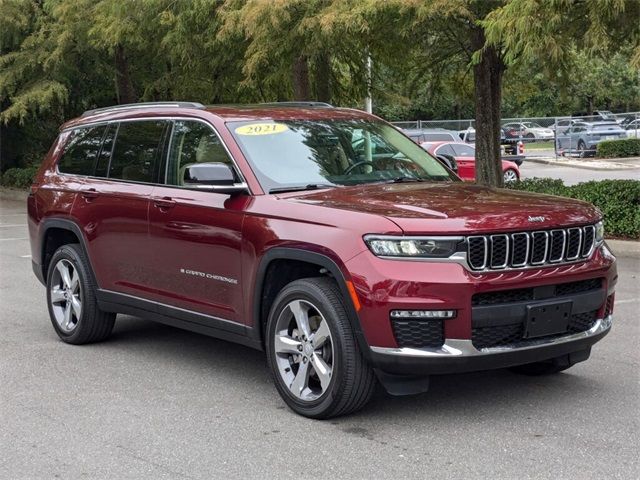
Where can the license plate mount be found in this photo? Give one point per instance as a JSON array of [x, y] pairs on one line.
[[547, 319]]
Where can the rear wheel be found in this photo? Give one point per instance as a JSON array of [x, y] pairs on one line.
[[312, 351], [71, 299]]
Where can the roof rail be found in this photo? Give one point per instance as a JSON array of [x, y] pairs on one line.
[[134, 106], [309, 104]]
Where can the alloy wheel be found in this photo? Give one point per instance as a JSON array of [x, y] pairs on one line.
[[510, 176], [303, 348], [66, 296]]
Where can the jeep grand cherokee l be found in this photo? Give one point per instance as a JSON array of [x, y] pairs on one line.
[[322, 235]]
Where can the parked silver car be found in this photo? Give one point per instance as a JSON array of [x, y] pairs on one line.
[[583, 137]]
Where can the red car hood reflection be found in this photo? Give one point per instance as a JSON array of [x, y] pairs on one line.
[[453, 208]]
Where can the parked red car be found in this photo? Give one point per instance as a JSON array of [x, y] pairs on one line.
[[465, 156], [321, 235]]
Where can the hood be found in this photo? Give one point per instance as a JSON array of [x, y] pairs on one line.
[[428, 208]]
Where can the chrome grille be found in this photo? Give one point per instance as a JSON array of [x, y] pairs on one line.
[[523, 249]]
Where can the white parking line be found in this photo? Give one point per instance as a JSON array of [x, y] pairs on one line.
[[13, 214], [13, 225], [7, 239], [25, 256]]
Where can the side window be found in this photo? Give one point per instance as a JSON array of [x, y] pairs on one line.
[[102, 165], [81, 153], [137, 151], [193, 142], [462, 150]]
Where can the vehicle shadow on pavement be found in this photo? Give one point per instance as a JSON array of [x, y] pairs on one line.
[[462, 397]]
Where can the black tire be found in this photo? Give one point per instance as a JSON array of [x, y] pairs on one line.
[[93, 325], [530, 137], [582, 149], [352, 381]]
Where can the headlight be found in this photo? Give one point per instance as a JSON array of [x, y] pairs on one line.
[[419, 247], [599, 232]]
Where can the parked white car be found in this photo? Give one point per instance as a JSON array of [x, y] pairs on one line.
[[528, 130]]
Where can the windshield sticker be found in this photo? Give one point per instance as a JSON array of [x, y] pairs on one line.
[[262, 129]]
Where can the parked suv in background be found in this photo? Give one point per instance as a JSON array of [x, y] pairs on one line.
[[275, 227], [583, 137]]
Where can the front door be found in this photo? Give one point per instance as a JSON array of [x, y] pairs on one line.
[[196, 235]]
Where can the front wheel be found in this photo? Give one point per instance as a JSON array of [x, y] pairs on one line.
[[510, 175], [312, 352]]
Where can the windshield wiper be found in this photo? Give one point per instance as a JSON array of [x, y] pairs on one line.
[[299, 188], [403, 179]]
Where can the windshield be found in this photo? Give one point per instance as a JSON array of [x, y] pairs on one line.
[[531, 125], [299, 153]]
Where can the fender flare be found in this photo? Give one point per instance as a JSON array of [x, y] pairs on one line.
[[292, 253], [63, 224]]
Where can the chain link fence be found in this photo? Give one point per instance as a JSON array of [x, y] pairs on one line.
[[545, 136]]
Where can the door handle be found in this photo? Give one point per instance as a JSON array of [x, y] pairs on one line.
[[89, 193], [164, 203]]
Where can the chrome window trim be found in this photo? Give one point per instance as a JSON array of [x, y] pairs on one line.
[[171, 118], [465, 348]]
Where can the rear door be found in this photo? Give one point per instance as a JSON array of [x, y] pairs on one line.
[[113, 205], [195, 235]]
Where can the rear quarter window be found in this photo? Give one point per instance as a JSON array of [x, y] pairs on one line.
[[81, 153]]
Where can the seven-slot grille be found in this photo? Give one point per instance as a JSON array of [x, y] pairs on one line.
[[522, 249]]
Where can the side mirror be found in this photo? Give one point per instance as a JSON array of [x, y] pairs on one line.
[[215, 176]]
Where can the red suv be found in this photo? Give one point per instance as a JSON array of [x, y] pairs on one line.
[[322, 235]]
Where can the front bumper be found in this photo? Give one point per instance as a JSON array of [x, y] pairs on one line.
[[458, 355], [385, 285]]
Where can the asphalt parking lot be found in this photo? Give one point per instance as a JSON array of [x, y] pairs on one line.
[[157, 402]]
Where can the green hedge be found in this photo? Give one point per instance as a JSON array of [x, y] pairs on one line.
[[19, 177], [619, 200], [629, 147]]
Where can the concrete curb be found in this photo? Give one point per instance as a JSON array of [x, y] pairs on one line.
[[599, 165], [13, 194]]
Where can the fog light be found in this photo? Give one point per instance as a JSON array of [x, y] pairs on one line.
[[436, 314]]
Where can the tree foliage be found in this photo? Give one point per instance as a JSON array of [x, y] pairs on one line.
[[432, 58]]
